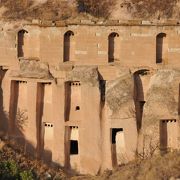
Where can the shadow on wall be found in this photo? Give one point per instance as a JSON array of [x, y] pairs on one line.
[[67, 100], [3, 114], [139, 96], [18, 118]]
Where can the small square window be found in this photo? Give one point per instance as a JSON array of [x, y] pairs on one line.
[[77, 108]]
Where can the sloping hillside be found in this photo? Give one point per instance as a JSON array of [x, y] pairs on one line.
[[166, 167], [41, 9], [147, 9], [70, 9]]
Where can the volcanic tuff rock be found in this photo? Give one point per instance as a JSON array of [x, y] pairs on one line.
[[32, 69]]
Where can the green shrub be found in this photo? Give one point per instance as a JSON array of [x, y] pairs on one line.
[[26, 175], [10, 171]]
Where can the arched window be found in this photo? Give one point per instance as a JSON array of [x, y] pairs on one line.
[[112, 46], [160, 49], [20, 41], [68, 45]]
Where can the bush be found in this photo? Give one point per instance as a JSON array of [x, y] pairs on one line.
[[9, 170], [96, 8], [26, 175]]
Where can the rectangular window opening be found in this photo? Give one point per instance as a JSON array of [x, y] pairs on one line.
[[73, 147]]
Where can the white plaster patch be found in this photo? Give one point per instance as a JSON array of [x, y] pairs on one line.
[[140, 35], [48, 131], [146, 22], [81, 52], [74, 134], [174, 50], [98, 34], [102, 53]]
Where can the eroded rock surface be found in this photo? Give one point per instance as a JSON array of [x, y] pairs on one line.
[[32, 69]]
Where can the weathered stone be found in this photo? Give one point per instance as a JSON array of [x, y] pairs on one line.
[[32, 69]]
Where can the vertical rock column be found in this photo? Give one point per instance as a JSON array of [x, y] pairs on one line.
[[90, 131], [58, 103], [31, 134]]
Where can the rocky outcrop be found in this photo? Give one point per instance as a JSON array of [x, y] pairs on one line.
[[84, 74], [161, 100], [32, 69], [119, 92]]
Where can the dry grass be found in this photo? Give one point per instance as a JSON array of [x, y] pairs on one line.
[[51, 10], [157, 167], [151, 8], [9, 152], [96, 8], [63, 10]]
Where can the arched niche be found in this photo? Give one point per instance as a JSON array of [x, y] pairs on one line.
[[67, 54], [21, 43], [160, 47], [112, 46]]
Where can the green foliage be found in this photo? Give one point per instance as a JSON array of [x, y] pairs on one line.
[[10, 171], [26, 175]]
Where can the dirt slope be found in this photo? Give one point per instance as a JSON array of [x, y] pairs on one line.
[[62, 10], [166, 167]]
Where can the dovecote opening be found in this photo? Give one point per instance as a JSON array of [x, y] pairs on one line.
[[72, 101]]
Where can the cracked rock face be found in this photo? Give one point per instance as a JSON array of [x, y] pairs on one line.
[[32, 69]]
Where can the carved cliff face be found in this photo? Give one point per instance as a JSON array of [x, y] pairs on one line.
[[161, 97]]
